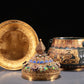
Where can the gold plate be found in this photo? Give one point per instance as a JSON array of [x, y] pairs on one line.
[[18, 41]]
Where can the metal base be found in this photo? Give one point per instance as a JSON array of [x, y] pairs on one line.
[[40, 76]]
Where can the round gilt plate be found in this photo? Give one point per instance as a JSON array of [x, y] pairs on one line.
[[18, 41]]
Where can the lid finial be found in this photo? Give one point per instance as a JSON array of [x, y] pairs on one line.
[[40, 47]]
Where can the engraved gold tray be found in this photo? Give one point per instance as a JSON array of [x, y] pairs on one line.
[[18, 41]]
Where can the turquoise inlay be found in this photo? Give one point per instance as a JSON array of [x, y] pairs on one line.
[[49, 66], [28, 67], [45, 68], [25, 67], [53, 67]]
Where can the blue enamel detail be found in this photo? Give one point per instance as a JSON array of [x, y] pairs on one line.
[[41, 62], [34, 61], [46, 61], [37, 61], [30, 61], [50, 60]]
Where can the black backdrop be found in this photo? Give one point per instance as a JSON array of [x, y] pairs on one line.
[[47, 20]]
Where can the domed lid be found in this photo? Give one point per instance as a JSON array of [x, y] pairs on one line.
[[41, 62]]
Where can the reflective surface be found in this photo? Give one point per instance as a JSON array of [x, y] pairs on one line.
[[16, 45], [66, 77], [18, 41]]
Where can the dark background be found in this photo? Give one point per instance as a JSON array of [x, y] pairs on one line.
[[48, 19]]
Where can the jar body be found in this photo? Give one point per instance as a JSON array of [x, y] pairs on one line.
[[69, 51]]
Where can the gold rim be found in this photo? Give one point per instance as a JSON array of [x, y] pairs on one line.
[[70, 38], [13, 59]]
